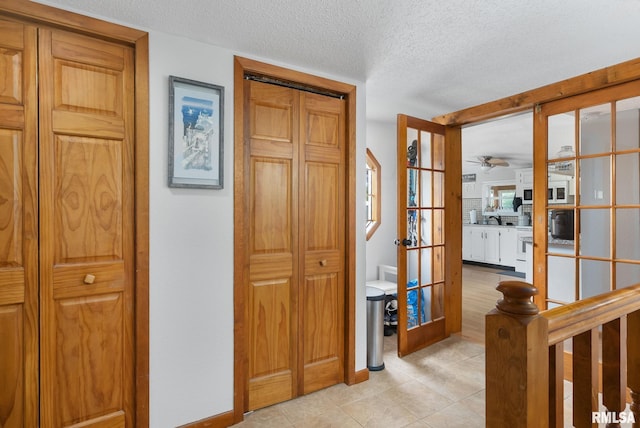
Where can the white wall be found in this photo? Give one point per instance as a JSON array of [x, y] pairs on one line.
[[191, 250], [381, 140]]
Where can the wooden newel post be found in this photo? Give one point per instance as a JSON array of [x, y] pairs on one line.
[[517, 360]]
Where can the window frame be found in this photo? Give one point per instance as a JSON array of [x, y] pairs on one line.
[[373, 194]]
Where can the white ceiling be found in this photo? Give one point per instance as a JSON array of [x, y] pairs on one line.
[[420, 57]]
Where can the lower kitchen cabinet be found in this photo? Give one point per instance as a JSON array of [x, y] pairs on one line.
[[489, 244]]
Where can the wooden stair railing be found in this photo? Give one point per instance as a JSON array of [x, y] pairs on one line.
[[524, 359]]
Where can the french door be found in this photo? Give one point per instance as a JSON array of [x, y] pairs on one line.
[[426, 295]]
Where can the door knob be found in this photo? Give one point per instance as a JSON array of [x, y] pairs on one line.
[[406, 242]]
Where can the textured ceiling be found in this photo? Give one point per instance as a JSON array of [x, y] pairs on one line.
[[420, 57]]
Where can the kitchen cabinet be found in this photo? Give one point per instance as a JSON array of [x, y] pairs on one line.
[[508, 246], [489, 244], [524, 179]]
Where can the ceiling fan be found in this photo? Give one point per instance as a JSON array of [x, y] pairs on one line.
[[488, 162]]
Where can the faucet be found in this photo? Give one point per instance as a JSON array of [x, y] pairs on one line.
[[498, 219]]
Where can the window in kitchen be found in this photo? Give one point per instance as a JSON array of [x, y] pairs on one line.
[[373, 194]]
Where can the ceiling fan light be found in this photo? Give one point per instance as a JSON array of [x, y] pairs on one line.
[[485, 167], [566, 152]]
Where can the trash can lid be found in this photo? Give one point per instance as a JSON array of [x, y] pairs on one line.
[[374, 293]]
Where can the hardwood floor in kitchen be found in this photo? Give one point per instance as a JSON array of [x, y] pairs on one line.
[[479, 296]]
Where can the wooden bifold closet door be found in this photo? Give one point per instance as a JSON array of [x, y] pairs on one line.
[[66, 229], [295, 177]]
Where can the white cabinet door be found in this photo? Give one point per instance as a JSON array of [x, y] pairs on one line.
[[492, 245], [508, 247], [466, 242], [524, 179], [477, 244]]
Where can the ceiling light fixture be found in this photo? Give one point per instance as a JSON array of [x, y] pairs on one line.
[[566, 152], [486, 167]]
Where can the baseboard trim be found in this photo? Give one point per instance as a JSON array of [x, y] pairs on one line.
[[362, 376], [223, 420]]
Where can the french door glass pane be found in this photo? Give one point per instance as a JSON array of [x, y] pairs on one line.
[[595, 277], [562, 171], [438, 227], [437, 303], [438, 189], [561, 134], [425, 197], [425, 267], [628, 234], [425, 149], [412, 147], [561, 283], [627, 274], [628, 179], [595, 181], [438, 151], [426, 227], [595, 227], [595, 130], [425, 305], [627, 122], [412, 268], [438, 264]]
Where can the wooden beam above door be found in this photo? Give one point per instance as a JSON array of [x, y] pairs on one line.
[[608, 76]]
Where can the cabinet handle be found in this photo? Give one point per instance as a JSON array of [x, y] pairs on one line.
[[88, 279], [323, 262]]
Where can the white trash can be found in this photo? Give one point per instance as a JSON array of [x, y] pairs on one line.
[[375, 328]]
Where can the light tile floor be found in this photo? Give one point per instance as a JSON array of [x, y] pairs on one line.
[[440, 386]]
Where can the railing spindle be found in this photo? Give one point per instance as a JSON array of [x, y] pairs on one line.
[[585, 377], [556, 385], [614, 365]]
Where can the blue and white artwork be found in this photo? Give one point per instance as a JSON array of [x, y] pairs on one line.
[[197, 135]]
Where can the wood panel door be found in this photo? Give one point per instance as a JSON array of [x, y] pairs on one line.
[[321, 235], [86, 231], [18, 227], [295, 198]]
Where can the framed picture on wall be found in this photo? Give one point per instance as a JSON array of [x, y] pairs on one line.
[[195, 134]]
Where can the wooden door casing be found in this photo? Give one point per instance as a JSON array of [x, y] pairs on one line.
[[86, 230], [296, 291], [18, 226]]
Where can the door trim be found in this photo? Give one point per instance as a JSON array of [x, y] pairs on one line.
[[43, 15], [243, 66]]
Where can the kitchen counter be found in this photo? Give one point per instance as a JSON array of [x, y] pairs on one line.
[[490, 224], [550, 241]]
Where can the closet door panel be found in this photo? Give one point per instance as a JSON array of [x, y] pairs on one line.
[[322, 240], [18, 227], [271, 247], [86, 212]]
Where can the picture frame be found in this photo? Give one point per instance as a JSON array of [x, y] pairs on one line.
[[196, 134]]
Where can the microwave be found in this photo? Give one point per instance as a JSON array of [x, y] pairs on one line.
[[527, 195], [557, 192]]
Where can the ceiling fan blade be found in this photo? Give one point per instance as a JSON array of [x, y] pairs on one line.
[[498, 162]]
